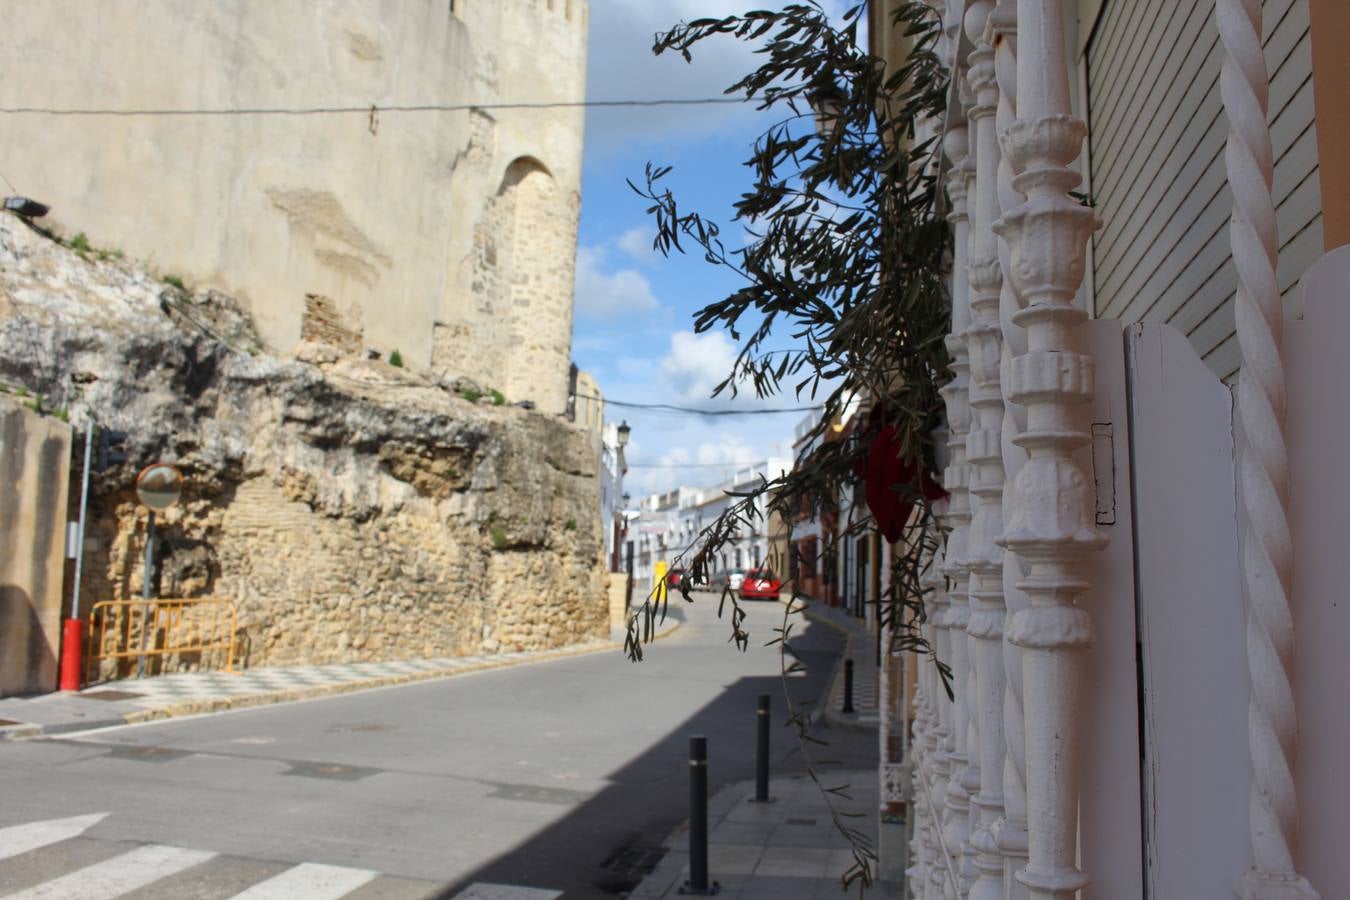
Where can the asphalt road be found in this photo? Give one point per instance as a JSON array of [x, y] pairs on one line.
[[558, 776]]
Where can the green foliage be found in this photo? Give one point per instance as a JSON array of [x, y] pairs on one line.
[[498, 398], [174, 281], [396, 359], [498, 537], [23, 391], [471, 395], [80, 244], [849, 261], [570, 525], [63, 414]]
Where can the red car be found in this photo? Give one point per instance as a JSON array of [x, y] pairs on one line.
[[674, 577], [760, 584]]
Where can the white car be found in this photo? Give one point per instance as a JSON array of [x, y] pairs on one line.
[[735, 578]]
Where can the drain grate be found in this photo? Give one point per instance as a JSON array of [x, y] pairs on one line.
[[361, 726], [629, 865], [112, 695], [146, 753], [335, 771]]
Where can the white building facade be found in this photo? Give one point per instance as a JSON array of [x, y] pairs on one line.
[[1137, 551]]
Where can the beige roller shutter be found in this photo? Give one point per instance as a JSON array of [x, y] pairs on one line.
[[1158, 179]]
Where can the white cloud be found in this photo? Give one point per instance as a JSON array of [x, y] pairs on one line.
[[637, 243], [602, 293], [621, 66], [697, 363]]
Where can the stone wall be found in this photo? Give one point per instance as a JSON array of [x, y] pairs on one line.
[[386, 214], [353, 510], [323, 324]]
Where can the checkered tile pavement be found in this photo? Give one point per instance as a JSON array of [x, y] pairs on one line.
[[861, 648], [211, 685]]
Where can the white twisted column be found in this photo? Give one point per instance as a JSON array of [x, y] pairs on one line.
[[956, 825], [1053, 522], [1010, 832], [1263, 464], [984, 451]]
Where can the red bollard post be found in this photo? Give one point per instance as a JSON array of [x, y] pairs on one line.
[[72, 654]]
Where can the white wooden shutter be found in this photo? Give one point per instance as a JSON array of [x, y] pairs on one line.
[[1158, 179]]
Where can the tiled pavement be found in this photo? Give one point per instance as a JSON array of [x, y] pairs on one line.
[[166, 696], [790, 849], [861, 648]]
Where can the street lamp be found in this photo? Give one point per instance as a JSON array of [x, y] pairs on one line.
[[620, 525], [826, 100]]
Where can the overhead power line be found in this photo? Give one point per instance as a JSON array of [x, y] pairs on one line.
[[694, 411], [363, 110], [721, 465]]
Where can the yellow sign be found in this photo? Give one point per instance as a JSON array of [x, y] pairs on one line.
[[659, 581]]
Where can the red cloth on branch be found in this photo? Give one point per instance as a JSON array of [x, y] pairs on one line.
[[887, 479]]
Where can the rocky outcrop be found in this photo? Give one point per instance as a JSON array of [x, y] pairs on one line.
[[352, 509]]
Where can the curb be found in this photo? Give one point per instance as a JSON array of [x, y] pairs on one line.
[[223, 704]]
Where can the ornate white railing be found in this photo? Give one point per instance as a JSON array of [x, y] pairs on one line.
[[984, 340]]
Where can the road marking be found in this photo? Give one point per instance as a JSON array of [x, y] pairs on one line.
[[117, 876], [309, 881], [483, 891], [22, 838]]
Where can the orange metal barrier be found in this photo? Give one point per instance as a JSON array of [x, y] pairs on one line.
[[135, 629]]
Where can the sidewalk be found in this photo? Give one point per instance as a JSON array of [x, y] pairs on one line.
[[790, 849], [135, 700], [861, 648]]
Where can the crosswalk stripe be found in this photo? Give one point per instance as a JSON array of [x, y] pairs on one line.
[[22, 838], [483, 891], [117, 876], [309, 881]]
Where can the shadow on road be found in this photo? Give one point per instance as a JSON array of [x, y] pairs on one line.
[[618, 832]]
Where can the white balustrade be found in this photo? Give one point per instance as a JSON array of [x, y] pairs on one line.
[[984, 451], [1052, 526], [1010, 833], [956, 822]]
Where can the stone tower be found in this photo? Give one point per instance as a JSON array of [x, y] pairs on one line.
[[447, 234]]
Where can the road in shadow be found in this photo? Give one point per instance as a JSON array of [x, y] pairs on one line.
[[604, 846]]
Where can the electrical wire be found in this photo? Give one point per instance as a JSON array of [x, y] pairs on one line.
[[364, 110], [694, 411], [721, 465]]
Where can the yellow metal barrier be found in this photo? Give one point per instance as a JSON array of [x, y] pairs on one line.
[[136, 629]]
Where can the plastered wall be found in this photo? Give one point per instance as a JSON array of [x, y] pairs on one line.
[[447, 235], [34, 471]]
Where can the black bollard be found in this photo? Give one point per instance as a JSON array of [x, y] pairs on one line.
[[762, 751], [848, 685], [698, 820]]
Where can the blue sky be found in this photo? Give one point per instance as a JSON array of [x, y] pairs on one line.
[[634, 309]]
